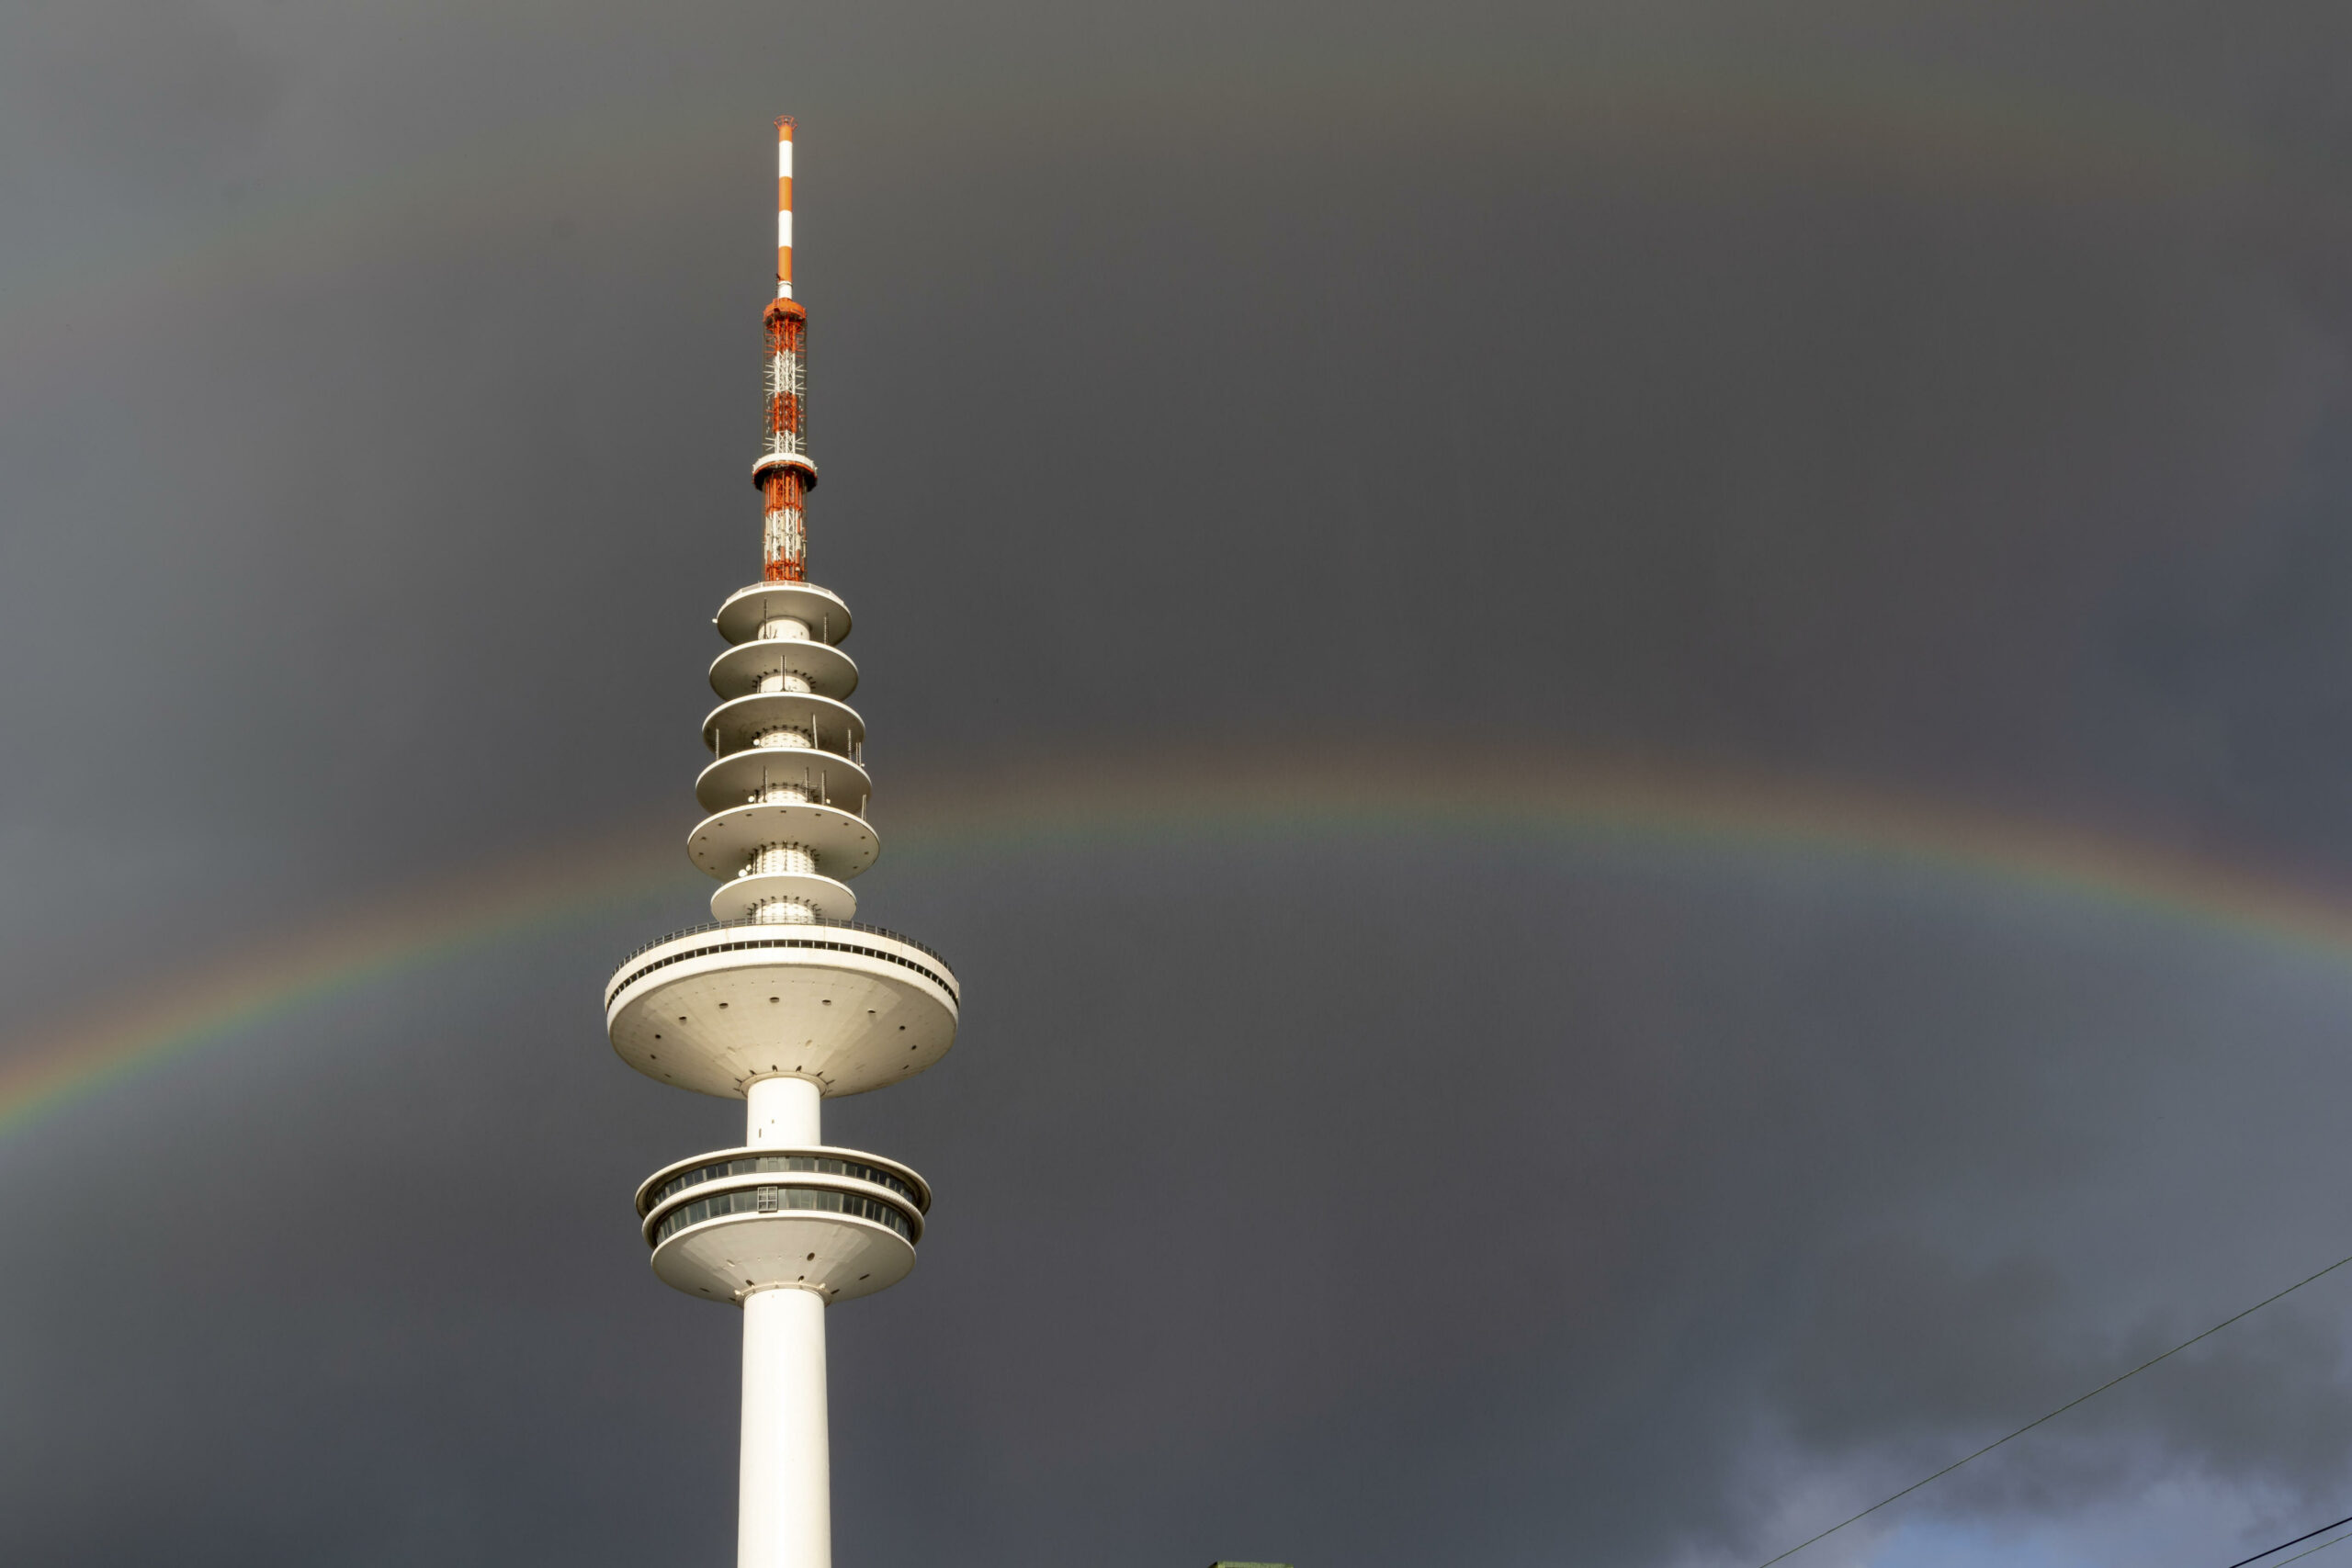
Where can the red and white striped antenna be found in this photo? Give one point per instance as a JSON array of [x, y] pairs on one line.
[[783, 207], [785, 473]]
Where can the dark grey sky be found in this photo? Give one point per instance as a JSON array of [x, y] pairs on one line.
[[1941, 402]]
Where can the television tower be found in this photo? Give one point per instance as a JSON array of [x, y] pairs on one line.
[[785, 1001]]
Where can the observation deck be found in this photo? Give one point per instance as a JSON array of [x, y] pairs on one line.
[[828, 725], [740, 897], [746, 610], [840, 840], [739, 671], [839, 1222], [853, 1008], [829, 777]]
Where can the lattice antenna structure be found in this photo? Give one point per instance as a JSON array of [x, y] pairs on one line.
[[785, 1001], [784, 473]]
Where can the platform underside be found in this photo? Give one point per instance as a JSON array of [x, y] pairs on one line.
[[819, 609], [738, 898], [721, 1259], [828, 776], [828, 672], [734, 724], [844, 843], [854, 1011]]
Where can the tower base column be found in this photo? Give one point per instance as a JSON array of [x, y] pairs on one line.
[[785, 1517]]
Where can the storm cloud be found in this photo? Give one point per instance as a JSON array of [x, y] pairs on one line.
[[1926, 405]]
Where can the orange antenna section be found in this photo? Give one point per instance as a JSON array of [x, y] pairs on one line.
[[785, 473]]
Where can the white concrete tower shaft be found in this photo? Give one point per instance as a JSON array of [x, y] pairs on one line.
[[783, 1112], [784, 1488], [784, 1513], [784, 1001]]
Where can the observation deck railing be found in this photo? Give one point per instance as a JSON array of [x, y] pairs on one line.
[[783, 928]]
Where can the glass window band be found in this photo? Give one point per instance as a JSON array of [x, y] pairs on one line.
[[783, 1200], [763, 1165]]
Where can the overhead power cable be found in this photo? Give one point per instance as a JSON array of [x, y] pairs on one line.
[[2283, 1545], [2079, 1399], [2323, 1546]]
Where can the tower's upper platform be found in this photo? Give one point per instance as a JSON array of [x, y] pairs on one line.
[[851, 1008], [748, 609]]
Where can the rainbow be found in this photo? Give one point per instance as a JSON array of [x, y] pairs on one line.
[[1087, 803]]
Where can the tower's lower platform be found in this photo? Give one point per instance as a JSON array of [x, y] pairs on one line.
[[838, 1222]]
